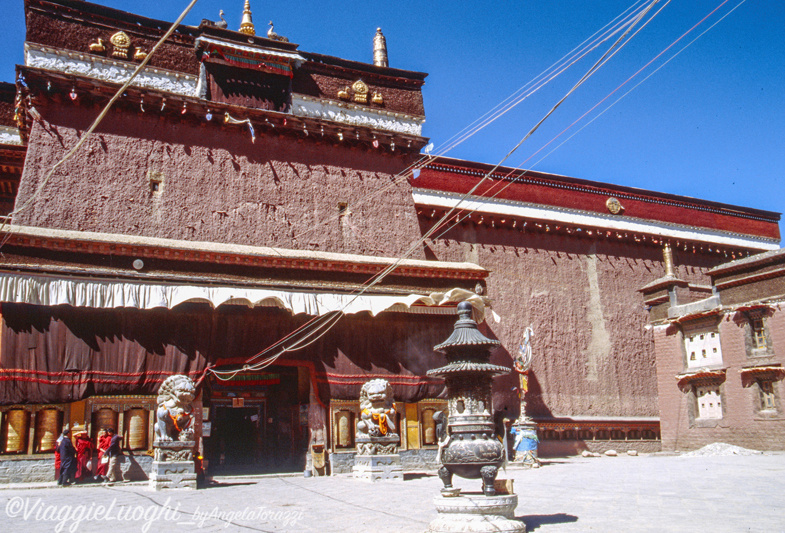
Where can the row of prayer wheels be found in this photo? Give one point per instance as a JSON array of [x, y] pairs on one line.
[[136, 421], [49, 423]]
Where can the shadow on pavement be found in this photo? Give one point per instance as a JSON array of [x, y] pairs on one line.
[[536, 520], [416, 475], [224, 484]]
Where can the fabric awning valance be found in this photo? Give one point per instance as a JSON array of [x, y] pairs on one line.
[[50, 290]]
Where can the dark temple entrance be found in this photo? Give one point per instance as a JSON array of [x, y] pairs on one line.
[[259, 422]]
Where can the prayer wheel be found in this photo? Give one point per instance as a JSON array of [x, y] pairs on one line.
[[137, 428], [17, 421], [429, 427], [104, 418], [47, 429], [343, 429]]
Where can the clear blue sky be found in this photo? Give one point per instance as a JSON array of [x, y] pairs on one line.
[[710, 124]]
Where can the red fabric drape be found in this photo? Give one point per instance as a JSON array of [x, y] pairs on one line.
[[63, 353]]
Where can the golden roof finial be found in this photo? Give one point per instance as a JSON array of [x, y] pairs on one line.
[[380, 49], [246, 26], [667, 258]]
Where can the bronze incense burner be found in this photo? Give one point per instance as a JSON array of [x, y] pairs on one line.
[[468, 445]]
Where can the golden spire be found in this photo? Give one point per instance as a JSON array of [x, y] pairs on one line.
[[380, 49], [246, 26], [667, 257]]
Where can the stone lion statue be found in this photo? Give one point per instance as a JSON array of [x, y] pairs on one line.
[[377, 412], [174, 416]]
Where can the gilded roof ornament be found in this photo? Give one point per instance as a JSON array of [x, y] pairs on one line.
[[360, 92], [614, 205], [343, 94], [121, 42], [246, 26], [380, 49], [98, 46]]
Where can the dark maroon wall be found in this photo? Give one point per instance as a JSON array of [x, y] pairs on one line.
[[216, 185], [57, 31], [328, 84], [592, 353]]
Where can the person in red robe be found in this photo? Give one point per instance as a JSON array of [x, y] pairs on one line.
[[57, 457], [84, 454], [104, 440]]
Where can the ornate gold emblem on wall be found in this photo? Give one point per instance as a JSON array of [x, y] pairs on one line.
[[98, 46], [343, 94], [360, 92], [614, 205], [121, 47], [121, 43]]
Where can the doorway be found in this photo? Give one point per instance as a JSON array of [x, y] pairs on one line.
[[259, 424]]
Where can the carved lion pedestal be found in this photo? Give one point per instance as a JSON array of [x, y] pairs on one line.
[[378, 467], [173, 462], [173, 465], [377, 456]]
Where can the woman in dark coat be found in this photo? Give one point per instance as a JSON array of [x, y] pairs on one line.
[[67, 460]]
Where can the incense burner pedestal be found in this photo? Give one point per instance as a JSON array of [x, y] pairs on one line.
[[476, 513]]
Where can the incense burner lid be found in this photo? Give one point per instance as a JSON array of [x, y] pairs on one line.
[[469, 367], [465, 333]]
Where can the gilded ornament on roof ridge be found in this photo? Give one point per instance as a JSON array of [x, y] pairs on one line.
[[121, 43]]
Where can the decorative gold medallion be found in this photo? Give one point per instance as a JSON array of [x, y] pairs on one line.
[[614, 205], [360, 92], [140, 54], [121, 42], [377, 98]]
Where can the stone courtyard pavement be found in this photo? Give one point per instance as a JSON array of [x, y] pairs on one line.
[[636, 494]]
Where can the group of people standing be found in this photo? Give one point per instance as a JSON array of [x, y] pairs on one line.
[[74, 460]]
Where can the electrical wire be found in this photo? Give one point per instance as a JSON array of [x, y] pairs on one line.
[[328, 325], [324, 323], [570, 59], [511, 172], [98, 119], [640, 82]]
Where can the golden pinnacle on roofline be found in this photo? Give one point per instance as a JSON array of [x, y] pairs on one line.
[[246, 26]]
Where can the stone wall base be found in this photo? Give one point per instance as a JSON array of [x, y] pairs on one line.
[[41, 468], [411, 461], [566, 448]]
